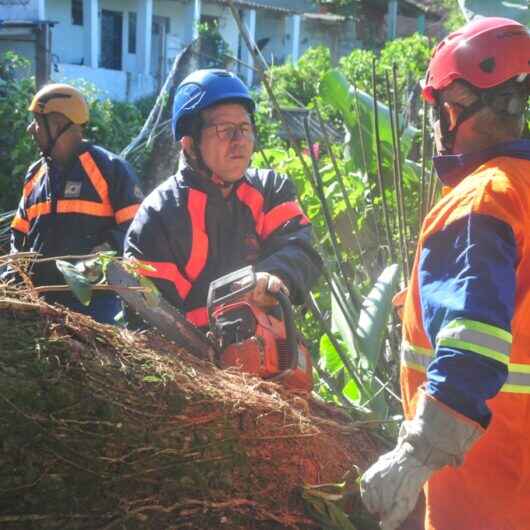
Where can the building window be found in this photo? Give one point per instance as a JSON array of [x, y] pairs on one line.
[[132, 33], [77, 12]]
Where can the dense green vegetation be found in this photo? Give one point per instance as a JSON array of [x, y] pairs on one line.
[[112, 124], [363, 223]]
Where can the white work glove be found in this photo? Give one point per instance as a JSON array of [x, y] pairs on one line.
[[436, 437]]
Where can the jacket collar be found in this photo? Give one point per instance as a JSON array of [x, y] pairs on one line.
[[189, 177], [452, 169]]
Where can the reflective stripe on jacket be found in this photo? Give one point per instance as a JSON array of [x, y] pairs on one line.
[[466, 328], [189, 234], [70, 212]]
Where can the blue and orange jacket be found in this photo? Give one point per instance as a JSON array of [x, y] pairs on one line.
[[190, 235], [466, 331], [71, 212]]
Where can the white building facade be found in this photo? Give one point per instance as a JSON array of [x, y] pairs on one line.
[[125, 48]]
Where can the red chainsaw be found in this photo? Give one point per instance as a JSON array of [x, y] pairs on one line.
[[259, 342], [241, 334]]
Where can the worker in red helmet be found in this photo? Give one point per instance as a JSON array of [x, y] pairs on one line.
[[465, 367]]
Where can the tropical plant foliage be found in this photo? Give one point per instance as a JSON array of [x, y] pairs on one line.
[[366, 199]]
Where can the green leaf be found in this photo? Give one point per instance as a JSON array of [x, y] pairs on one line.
[[351, 391], [322, 503], [334, 89], [330, 360], [343, 313], [373, 318], [356, 110], [152, 379], [80, 285], [151, 293]]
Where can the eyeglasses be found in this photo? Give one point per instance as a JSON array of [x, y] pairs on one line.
[[228, 131]]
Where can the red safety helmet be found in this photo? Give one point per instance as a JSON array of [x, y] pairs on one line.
[[486, 52]]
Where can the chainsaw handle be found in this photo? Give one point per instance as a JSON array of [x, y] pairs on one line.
[[290, 329]]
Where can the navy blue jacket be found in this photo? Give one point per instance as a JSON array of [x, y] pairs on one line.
[[190, 234], [70, 212]]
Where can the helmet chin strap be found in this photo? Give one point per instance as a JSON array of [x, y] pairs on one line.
[[509, 99], [200, 165], [47, 153]]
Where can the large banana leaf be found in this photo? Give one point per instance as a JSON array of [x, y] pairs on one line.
[[373, 318], [356, 110], [365, 342]]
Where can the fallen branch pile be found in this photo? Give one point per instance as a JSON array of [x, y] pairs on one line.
[[106, 429]]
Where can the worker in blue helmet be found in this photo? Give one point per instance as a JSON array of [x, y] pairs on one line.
[[216, 214]]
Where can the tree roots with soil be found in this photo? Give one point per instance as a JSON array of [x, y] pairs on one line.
[[103, 428]]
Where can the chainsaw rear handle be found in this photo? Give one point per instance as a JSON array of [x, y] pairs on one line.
[[290, 329]]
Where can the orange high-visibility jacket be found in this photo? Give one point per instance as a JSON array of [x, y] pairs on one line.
[[466, 339]]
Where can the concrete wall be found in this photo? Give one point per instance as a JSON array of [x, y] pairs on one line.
[[23, 10], [314, 33], [273, 25], [68, 51], [180, 30], [67, 39], [113, 84]]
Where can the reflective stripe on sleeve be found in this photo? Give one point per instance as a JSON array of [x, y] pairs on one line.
[[20, 224], [38, 209], [416, 357], [483, 339], [518, 381], [281, 214], [28, 187]]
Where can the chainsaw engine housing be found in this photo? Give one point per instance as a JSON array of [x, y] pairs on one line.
[[258, 342]]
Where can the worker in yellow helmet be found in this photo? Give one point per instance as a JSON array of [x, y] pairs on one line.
[[77, 198], [57, 109]]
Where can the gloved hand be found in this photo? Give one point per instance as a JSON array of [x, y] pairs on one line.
[[436, 437]]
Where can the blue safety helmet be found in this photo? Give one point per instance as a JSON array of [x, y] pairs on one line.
[[201, 90]]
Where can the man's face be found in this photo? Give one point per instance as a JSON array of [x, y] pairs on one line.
[[227, 140], [37, 130]]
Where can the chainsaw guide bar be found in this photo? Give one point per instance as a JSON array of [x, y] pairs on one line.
[[160, 314]]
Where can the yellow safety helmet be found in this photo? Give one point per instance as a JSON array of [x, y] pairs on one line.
[[61, 98]]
